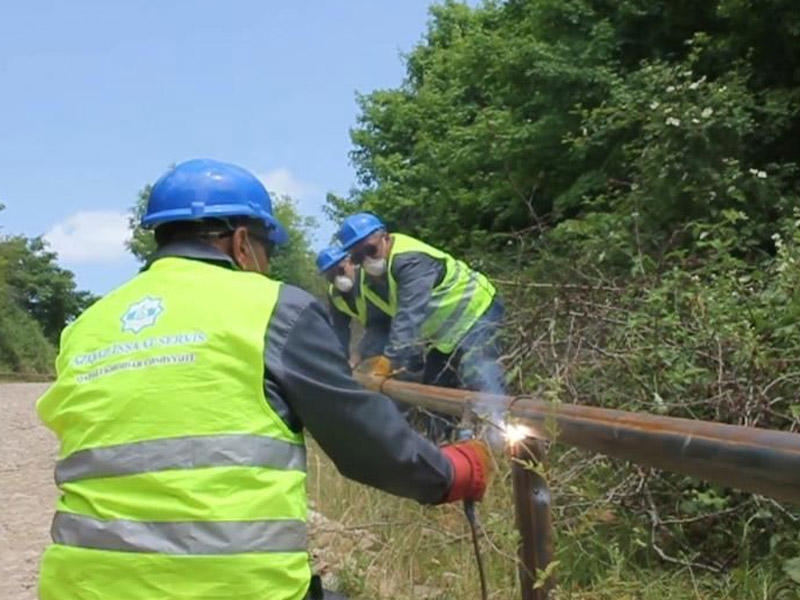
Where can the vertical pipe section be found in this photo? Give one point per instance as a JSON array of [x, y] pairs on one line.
[[532, 507]]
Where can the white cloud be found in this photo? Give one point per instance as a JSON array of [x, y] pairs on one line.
[[282, 181], [96, 236], [309, 199]]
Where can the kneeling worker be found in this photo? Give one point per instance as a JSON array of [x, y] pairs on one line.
[[180, 405], [346, 302], [445, 315]]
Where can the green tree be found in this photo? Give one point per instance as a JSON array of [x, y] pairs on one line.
[[638, 160], [471, 143], [39, 286], [23, 347], [292, 263], [37, 300], [141, 243], [518, 115]]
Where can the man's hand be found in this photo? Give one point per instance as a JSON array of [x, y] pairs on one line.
[[472, 469], [377, 366]]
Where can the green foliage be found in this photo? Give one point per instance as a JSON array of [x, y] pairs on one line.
[[37, 300], [628, 172], [709, 333], [521, 115], [678, 153], [295, 262], [472, 142], [292, 263], [23, 347], [141, 243], [39, 286]]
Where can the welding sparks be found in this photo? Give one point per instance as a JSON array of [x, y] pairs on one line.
[[515, 433]]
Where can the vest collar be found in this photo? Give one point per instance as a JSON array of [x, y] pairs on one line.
[[193, 250]]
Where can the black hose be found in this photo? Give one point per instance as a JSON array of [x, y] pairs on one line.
[[469, 511]]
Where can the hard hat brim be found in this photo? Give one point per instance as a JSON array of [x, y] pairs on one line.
[[362, 236], [278, 234], [329, 265]]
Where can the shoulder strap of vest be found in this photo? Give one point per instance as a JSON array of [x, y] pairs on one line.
[[359, 311], [388, 307]]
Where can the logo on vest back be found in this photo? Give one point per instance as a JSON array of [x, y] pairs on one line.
[[142, 314]]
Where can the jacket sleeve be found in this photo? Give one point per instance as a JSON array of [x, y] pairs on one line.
[[416, 274], [363, 432]]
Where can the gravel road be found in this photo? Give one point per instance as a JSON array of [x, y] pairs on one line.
[[27, 453]]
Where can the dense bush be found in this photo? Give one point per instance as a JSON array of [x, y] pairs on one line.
[[23, 348], [628, 173]]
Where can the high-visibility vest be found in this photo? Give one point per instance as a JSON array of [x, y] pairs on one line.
[[177, 478], [359, 312], [457, 302]]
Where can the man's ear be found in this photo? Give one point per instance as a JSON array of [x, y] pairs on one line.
[[239, 251]]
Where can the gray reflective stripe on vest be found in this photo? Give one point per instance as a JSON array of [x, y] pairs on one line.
[[458, 312], [179, 537], [191, 452]]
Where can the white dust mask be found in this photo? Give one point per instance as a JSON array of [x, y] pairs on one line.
[[342, 283], [375, 266]]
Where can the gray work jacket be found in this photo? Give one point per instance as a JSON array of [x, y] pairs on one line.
[[307, 381], [417, 275]]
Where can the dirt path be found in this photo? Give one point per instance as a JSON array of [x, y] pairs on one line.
[[27, 452]]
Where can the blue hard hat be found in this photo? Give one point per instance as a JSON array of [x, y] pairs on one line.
[[207, 189], [330, 257], [357, 227]]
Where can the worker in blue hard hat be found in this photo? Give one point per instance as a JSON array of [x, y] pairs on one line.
[[180, 405], [346, 303], [446, 317]]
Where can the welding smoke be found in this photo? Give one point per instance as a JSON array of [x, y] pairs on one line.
[[490, 407], [480, 370]]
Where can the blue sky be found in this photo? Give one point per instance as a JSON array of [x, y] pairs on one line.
[[99, 98]]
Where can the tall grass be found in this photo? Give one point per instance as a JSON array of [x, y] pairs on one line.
[[379, 546]]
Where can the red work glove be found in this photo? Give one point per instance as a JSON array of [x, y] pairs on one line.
[[472, 468]]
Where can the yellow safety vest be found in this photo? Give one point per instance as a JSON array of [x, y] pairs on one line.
[[177, 478], [456, 303]]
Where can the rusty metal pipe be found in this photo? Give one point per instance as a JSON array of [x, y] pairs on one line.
[[532, 508], [757, 460]]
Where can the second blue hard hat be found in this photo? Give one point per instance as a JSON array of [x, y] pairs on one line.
[[358, 227], [206, 189], [330, 257]]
